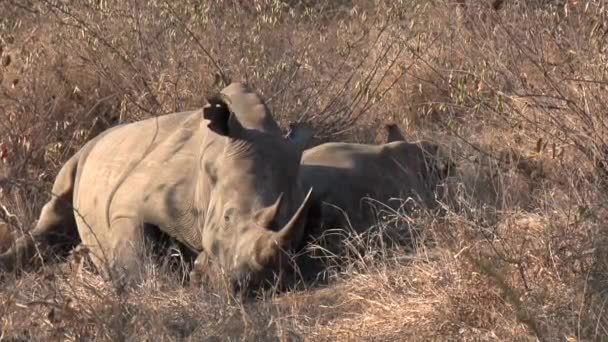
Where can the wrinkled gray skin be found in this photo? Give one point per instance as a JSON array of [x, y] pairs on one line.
[[222, 180], [344, 175]]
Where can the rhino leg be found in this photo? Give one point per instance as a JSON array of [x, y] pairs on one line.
[[126, 250], [55, 231]]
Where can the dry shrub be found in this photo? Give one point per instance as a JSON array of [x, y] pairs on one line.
[[6, 237], [516, 91]]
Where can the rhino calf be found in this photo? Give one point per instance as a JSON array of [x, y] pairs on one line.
[[222, 180], [345, 174]]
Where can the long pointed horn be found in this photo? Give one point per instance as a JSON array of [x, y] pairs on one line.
[[293, 228]]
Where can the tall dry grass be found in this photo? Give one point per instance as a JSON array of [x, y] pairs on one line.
[[518, 95]]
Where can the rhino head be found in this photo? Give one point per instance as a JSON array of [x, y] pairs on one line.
[[256, 207], [432, 161]]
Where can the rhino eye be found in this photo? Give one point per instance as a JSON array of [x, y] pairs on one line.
[[212, 172], [228, 214]]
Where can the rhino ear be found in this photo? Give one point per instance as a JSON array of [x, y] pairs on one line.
[[394, 133], [300, 134], [221, 120]]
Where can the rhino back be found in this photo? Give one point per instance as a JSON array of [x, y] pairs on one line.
[[145, 170], [340, 155], [344, 173]]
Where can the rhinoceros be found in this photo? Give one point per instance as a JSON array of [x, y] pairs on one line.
[[345, 174], [221, 180]]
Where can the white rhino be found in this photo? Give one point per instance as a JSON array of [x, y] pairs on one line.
[[345, 175], [221, 180]]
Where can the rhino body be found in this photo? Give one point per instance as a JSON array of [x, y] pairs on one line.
[[348, 177], [221, 180]]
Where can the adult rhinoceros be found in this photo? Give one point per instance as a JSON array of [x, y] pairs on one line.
[[221, 180], [344, 174]]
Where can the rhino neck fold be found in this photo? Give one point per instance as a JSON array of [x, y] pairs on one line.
[[211, 145]]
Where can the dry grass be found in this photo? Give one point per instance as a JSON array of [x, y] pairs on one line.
[[519, 95]]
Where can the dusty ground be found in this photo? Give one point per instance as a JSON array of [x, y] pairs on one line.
[[517, 92]]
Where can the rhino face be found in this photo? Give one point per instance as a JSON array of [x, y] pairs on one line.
[[428, 159], [437, 165], [260, 209], [257, 207]]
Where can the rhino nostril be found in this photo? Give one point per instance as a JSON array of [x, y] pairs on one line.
[[236, 287], [244, 288], [241, 283]]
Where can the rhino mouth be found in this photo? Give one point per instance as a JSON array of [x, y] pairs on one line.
[[253, 286], [269, 279]]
